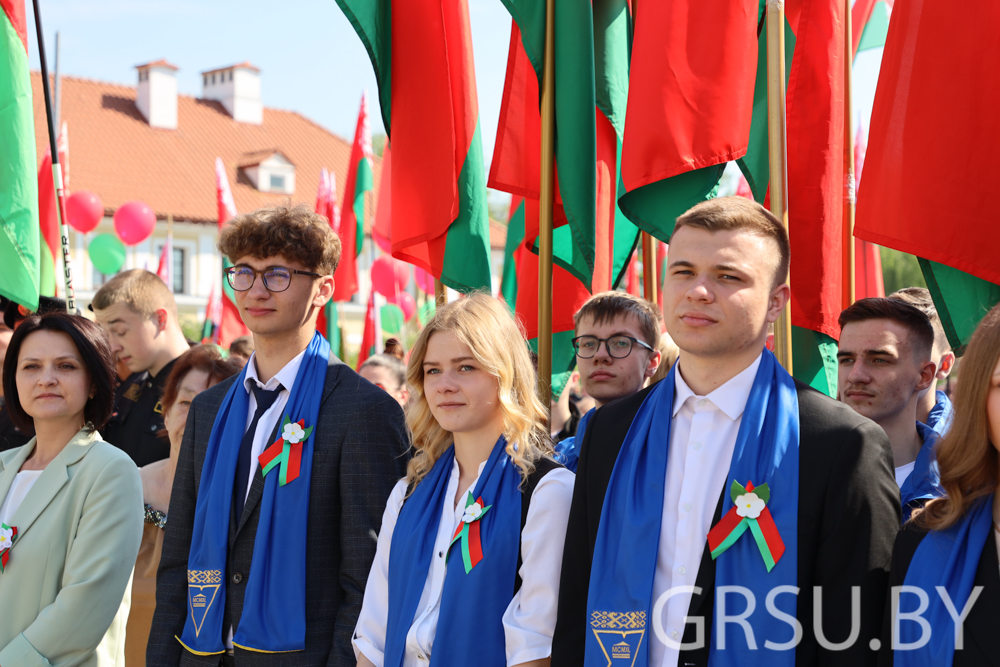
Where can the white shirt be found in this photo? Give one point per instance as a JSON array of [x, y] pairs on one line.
[[530, 618], [286, 378], [702, 440], [23, 482], [903, 471]]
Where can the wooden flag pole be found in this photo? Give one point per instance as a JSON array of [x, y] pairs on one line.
[[649, 283], [849, 182], [56, 167], [547, 198], [440, 295], [777, 153]]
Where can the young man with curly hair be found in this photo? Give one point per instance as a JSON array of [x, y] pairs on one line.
[[283, 473]]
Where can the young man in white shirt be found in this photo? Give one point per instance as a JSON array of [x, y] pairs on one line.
[[640, 574], [884, 366], [283, 473]]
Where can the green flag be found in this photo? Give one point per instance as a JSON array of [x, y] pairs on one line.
[[19, 230]]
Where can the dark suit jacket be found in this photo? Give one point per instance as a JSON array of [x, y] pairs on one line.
[[360, 453], [848, 516], [982, 644]]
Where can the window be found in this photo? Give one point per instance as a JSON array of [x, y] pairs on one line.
[[100, 278], [213, 78], [180, 283], [277, 183], [230, 75], [204, 80]]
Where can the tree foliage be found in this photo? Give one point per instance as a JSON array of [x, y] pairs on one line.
[[899, 270]]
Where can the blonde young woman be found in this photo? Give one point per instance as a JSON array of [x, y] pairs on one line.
[[948, 551], [467, 567]]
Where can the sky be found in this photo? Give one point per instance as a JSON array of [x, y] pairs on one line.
[[311, 59]]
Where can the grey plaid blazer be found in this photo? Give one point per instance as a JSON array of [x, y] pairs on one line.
[[361, 451]]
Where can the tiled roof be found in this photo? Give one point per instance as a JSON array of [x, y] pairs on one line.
[[114, 152], [158, 63]]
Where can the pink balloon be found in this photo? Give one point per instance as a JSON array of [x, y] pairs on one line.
[[134, 222], [84, 211], [425, 281], [389, 276], [407, 305]]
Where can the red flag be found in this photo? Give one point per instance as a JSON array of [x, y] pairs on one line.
[[382, 230], [332, 210], [868, 280], [368, 337], [231, 324], [816, 169], [323, 193], [165, 269], [49, 227]]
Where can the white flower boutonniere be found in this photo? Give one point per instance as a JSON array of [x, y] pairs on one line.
[[749, 505], [472, 513], [293, 433]]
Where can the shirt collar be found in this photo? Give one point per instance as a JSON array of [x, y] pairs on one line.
[[731, 398], [286, 376]]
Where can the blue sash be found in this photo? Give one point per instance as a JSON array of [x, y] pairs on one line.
[[567, 452], [274, 607], [947, 558], [941, 414], [470, 624], [620, 604], [924, 481]]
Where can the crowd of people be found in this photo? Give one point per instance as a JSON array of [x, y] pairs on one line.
[[683, 501]]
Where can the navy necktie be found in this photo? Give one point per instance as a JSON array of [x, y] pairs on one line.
[[265, 399]]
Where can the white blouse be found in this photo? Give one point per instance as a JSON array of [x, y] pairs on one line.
[[530, 618], [23, 482]]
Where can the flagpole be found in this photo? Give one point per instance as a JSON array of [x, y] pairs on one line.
[[440, 295], [777, 153], [849, 260], [649, 283], [56, 167], [547, 198]]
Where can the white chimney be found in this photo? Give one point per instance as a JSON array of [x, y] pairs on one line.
[[156, 94], [237, 87]]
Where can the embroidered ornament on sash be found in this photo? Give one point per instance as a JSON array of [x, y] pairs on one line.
[[7, 536], [468, 533], [286, 451], [749, 510]]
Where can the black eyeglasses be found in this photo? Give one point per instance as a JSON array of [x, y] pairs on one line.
[[276, 278], [619, 347]]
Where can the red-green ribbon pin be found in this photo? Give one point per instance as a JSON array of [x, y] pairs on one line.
[[749, 511], [286, 451], [468, 532], [7, 536]]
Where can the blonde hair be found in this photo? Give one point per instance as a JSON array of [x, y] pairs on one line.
[[967, 458], [486, 325], [142, 291]]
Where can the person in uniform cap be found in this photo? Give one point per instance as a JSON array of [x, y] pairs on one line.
[[139, 313]]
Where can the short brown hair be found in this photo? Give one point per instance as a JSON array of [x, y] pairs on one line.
[[206, 358], [920, 298], [609, 306], [295, 233], [141, 290], [242, 345], [729, 214], [895, 310], [95, 352]]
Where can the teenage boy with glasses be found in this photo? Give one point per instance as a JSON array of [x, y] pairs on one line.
[[283, 475], [617, 336]]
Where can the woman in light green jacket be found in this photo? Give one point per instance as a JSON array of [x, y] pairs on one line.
[[70, 503]]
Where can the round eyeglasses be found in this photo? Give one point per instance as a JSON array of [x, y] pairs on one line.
[[276, 278], [618, 347]]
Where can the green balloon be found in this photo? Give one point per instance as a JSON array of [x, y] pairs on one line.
[[107, 253], [392, 318], [426, 311]]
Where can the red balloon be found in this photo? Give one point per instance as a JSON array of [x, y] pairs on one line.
[[407, 305], [134, 222], [425, 281], [84, 211], [389, 276]]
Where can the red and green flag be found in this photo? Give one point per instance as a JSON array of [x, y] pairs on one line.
[[569, 293], [352, 211], [592, 239], [934, 105], [230, 323], [49, 242], [690, 106], [869, 24], [20, 252], [421, 51], [371, 338]]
